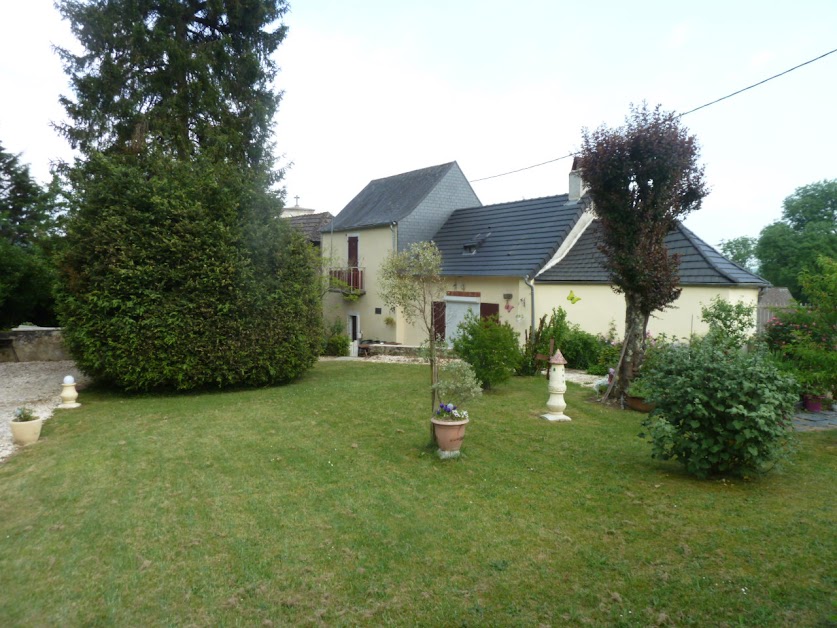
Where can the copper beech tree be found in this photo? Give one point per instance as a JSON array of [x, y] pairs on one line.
[[643, 178]]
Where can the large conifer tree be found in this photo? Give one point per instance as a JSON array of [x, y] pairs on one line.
[[179, 272]]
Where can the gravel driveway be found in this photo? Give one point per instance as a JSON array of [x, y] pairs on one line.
[[34, 384]]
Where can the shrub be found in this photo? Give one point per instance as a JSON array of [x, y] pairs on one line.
[[335, 340], [719, 410], [804, 338], [490, 347], [458, 382], [579, 348], [609, 350], [178, 276], [729, 323]]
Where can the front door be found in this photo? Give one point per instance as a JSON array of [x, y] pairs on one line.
[[455, 312], [354, 326]]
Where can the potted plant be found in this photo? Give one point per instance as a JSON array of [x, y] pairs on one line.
[[26, 426], [636, 394], [449, 428], [456, 380]]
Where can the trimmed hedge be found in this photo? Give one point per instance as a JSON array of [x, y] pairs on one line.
[[167, 283]]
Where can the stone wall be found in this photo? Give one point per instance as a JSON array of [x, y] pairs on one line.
[[32, 345]]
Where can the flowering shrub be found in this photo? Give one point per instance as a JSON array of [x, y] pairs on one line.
[[804, 338], [24, 414], [449, 412]]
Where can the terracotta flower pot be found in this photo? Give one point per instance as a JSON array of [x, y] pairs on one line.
[[638, 403], [449, 434], [26, 432], [812, 403]]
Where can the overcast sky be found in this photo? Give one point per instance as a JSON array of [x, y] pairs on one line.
[[375, 88]]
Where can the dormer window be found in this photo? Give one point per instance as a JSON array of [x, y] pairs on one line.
[[469, 248]]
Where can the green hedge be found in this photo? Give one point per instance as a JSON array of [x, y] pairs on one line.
[[177, 277]]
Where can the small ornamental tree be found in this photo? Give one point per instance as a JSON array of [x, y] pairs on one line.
[[411, 281], [642, 178]]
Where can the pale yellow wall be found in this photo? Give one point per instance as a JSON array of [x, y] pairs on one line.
[[373, 247], [491, 290], [599, 305]]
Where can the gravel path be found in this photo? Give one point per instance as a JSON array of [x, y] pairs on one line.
[[34, 384]]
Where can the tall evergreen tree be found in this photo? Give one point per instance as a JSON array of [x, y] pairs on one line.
[[187, 75], [642, 178], [179, 272], [27, 234]]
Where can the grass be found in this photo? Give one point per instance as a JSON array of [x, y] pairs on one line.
[[319, 503]]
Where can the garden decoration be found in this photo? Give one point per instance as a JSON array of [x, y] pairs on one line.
[[26, 426], [557, 387], [69, 393], [449, 428]]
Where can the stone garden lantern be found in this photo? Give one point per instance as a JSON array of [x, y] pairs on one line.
[[557, 387], [69, 394]]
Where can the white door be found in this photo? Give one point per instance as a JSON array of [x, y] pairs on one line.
[[456, 308]]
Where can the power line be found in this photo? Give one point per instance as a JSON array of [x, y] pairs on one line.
[[543, 163], [796, 67]]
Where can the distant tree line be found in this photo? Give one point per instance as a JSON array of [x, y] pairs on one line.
[[789, 247]]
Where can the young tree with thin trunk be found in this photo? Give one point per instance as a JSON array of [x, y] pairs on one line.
[[412, 281], [643, 178]]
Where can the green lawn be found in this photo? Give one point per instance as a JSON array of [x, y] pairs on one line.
[[319, 503]]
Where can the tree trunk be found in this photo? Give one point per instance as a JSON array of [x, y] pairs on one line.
[[633, 348], [434, 378]]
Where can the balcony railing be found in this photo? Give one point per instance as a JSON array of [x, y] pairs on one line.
[[348, 280]]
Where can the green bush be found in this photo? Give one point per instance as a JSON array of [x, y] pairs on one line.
[[458, 382], [178, 275], [335, 340], [580, 349], [804, 338], [488, 346], [719, 410]]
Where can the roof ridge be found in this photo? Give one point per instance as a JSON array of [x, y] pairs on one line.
[[523, 200], [692, 237], [403, 174]]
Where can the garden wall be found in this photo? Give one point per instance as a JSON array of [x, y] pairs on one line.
[[42, 344]]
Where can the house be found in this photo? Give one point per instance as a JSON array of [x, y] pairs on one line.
[[310, 224], [387, 215], [516, 260]]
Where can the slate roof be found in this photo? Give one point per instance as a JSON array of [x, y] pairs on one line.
[[509, 239], [390, 199], [311, 224], [700, 264]]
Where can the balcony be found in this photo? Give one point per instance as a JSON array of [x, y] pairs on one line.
[[348, 280]]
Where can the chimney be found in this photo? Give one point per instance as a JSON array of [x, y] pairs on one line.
[[577, 187]]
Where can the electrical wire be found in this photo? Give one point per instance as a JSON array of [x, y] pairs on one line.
[[680, 115]]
